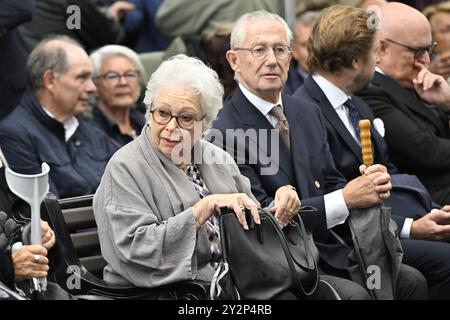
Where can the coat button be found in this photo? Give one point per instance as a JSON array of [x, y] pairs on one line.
[[317, 184]]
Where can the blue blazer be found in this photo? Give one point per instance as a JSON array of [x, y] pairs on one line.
[[409, 198], [294, 80], [309, 166]]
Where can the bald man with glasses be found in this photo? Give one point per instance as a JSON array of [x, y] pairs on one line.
[[411, 100]]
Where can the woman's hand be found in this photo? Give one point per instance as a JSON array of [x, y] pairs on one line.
[[47, 235], [287, 204], [30, 262], [238, 202]]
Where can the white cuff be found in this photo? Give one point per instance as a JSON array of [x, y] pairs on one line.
[[335, 208], [406, 230]]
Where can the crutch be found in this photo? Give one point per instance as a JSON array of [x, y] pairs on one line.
[[32, 189]]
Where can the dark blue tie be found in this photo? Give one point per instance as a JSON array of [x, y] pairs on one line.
[[354, 115]]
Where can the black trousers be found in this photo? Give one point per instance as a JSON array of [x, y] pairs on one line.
[[411, 284], [432, 259]]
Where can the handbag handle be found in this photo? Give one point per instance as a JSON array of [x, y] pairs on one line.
[[288, 253]]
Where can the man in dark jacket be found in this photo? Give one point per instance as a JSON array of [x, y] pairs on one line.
[[411, 100], [30, 261], [12, 56], [44, 127], [86, 21], [341, 61]]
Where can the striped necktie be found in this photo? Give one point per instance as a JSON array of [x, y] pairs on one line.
[[282, 124], [212, 224]]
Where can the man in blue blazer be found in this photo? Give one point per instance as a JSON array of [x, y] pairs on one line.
[[331, 87], [296, 153]]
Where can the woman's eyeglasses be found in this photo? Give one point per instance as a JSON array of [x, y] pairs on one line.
[[113, 78], [184, 120]]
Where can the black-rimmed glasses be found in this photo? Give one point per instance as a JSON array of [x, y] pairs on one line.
[[113, 78], [418, 52], [260, 51], [184, 120]]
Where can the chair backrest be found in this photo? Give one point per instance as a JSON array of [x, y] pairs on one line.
[[151, 61], [80, 221]]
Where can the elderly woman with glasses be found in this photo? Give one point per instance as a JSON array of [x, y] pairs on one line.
[[156, 207], [118, 75]]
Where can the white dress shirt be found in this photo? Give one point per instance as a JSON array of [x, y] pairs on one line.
[[262, 105], [337, 97], [335, 209]]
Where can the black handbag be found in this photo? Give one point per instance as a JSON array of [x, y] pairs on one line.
[[265, 262]]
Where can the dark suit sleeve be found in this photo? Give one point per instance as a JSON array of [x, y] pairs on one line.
[[399, 220], [334, 180], [9, 230], [13, 13], [97, 28], [405, 136]]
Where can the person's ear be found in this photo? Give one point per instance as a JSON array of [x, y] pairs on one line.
[[48, 80], [294, 51], [233, 60], [382, 50], [357, 64]]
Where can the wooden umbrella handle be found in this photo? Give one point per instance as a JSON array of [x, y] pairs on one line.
[[366, 143]]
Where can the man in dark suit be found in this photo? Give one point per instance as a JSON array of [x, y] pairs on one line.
[[296, 153], [298, 70], [331, 87], [410, 100], [13, 77]]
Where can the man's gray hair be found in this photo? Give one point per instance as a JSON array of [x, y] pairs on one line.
[[98, 56], [181, 70], [48, 57], [239, 32]]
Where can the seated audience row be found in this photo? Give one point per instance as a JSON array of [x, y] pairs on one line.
[[342, 61], [177, 180]]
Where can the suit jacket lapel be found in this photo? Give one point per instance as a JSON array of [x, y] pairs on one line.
[[332, 117], [410, 100], [299, 147], [252, 118]]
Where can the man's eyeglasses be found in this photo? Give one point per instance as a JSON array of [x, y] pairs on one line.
[[184, 120], [113, 78], [259, 52], [418, 52]]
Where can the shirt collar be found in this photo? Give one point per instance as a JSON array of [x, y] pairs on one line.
[[70, 125], [262, 105], [377, 69], [335, 96]]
